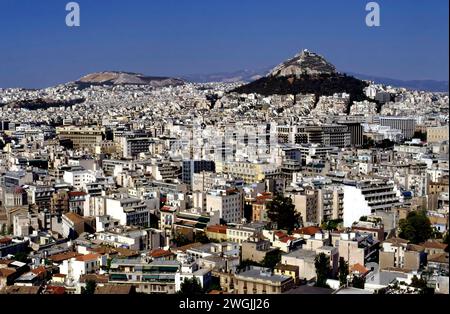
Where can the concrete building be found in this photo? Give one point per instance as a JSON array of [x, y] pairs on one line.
[[398, 253], [159, 277], [229, 203], [405, 124], [129, 211], [81, 137], [366, 197], [437, 134], [79, 177], [190, 167], [256, 248], [259, 280]]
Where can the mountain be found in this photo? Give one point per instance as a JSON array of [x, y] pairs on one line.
[[303, 63], [423, 85], [306, 73], [127, 78], [307, 60], [227, 77]]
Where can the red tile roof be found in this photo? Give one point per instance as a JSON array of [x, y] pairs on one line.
[[308, 230], [39, 270], [359, 269], [57, 258], [87, 257], [5, 240], [217, 229], [159, 253]]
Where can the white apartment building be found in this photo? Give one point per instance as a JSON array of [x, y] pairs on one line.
[[84, 264], [363, 198], [229, 203], [79, 177], [129, 211]]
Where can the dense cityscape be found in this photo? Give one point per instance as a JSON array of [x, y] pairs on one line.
[[304, 181]]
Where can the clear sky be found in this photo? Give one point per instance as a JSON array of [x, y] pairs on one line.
[[169, 37]]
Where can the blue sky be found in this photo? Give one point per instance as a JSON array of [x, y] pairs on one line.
[[168, 37]]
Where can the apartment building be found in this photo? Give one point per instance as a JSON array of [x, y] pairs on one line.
[[365, 197], [78, 177], [399, 253], [190, 167], [129, 211], [256, 248], [259, 280], [248, 171], [131, 147], [356, 248], [229, 203], [158, 277]]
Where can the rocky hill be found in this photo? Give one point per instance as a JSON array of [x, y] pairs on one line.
[[127, 78], [306, 73]]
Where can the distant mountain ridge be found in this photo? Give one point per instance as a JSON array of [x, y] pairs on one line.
[[248, 76], [423, 85], [127, 78]]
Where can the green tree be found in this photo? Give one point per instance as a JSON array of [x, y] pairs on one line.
[[21, 257], [3, 230], [421, 135], [343, 271], [416, 227], [332, 224], [191, 286], [90, 287], [358, 282], [180, 239], [108, 264], [322, 264], [282, 212], [271, 259], [421, 284], [201, 237]]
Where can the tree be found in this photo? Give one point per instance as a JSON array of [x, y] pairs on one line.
[[21, 257], [180, 239], [3, 230], [421, 284], [90, 287], [445, 241], [343, 271], [416, 227], [108, 264], [201, 237], [331, 224], [322, 264], [272, 259], [282, 212], [191, 286], [421, 135], [358, 282]]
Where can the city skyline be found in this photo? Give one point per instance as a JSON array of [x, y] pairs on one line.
[[176, 39]]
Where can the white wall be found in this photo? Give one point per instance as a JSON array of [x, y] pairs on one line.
[[355, 205]]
